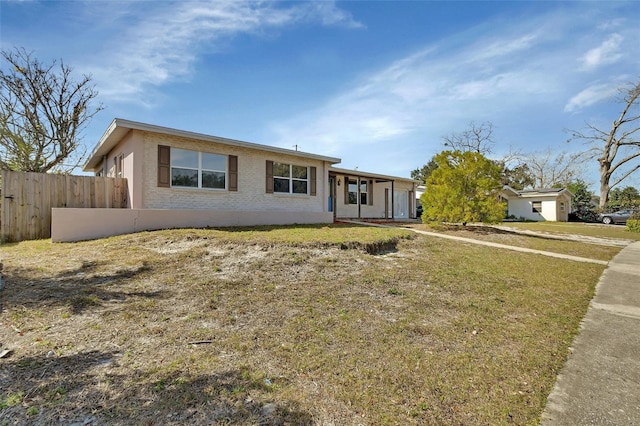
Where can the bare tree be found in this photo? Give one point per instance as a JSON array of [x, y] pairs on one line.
[[42, 113], [548, 169], [617, 148], [477, 138]]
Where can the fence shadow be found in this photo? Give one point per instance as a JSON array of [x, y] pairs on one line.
[[74, 389], [79, 289]]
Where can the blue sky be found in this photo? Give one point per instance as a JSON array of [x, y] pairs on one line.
[[377, 84]]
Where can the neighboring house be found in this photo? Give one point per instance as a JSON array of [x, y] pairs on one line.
[[538, 204], [177, 179]]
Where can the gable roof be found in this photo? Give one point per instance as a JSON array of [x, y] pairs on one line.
[[541, 192], [119, 128]]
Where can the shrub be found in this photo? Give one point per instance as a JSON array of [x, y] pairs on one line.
[[633, 223]]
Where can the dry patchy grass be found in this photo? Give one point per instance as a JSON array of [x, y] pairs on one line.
[[308, 325]]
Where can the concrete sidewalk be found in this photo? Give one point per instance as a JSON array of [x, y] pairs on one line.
[[600, 383], [485, 243]]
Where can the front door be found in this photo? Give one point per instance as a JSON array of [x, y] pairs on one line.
[[400, 204]]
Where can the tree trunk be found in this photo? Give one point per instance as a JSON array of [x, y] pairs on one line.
[[604, 188]]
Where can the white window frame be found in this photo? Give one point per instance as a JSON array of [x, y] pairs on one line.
[[364, 195], [352, 200], [199, 170], [533, 207], [291, 179]]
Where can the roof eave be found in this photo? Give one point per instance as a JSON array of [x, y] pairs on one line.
[[119, 128], [371, 175]]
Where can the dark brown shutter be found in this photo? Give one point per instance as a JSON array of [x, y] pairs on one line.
[[233, 172], [370, 193], [164, 166], [312, 176], [269, 177]]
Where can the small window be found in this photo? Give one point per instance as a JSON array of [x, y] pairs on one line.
[[353, 191], [561, 206], [536, 207], [363, 192]]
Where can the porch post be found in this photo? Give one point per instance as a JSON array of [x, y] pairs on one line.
[[393, 204]]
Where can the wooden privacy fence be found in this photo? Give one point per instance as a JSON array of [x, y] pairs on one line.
[[27, 198]]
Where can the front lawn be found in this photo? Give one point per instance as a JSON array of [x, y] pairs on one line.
[[293, 325]]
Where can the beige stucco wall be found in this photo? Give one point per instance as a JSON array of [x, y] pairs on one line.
[[85, 224], [131, 147]]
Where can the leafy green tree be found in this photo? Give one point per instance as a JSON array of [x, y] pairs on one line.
[[582, 204], [627, 197], [425, 171], [465, 187], [518, 177]]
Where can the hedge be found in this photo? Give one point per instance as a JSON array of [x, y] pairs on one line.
[[633, 223]]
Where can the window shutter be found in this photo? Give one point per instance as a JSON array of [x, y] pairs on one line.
[[370, 193], [269, 188], [233, 172], [312, 176], [164, 166]]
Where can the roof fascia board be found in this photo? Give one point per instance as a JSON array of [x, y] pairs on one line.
[[111, 137], [359, 173]]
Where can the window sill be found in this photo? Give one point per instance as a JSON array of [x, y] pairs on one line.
[[285, 194], [190, 189]]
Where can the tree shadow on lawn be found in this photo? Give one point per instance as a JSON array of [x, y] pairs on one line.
[[79, 289], [83, 388]]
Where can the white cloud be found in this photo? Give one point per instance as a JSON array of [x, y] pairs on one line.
[[607, 53], [162, 44], [432, 90], [590, 96], [611, 24]]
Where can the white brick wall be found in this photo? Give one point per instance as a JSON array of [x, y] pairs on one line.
[[251, 194]]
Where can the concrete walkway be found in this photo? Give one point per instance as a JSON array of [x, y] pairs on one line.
[[513, 248], [485, 243], [600, 383]]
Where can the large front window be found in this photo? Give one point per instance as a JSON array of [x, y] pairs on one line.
[[192, 169], [290, 179]]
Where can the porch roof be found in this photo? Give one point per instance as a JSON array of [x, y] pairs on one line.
[[378, 177]]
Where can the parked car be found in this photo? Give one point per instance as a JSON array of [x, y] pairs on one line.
[[620, 216]]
